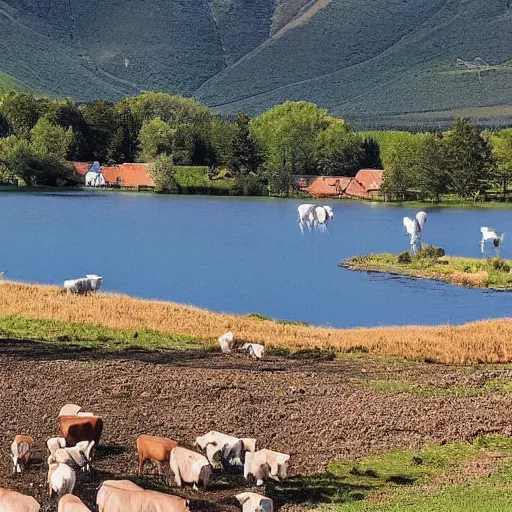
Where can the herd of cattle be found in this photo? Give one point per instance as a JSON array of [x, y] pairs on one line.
[[80, 434]]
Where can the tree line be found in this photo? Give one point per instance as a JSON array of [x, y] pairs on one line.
[[39, 136]]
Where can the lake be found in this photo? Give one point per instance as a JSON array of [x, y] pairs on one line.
[[244, 255]]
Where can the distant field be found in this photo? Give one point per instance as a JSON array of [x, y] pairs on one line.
[[197, 177], [478, 342]]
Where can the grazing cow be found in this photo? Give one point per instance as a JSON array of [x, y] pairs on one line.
[[77, 457], [255, 350], [227, 342], [70, 503], [81, 428], [69, 410], [54, 443], [252, 502], [21, 449], [190, 467], [154, 448], [12, 501], [61, 479], [230, 449], [116, 484], [115, 499], [266, 464]]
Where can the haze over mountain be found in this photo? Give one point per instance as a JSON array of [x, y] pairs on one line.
[[358, 58]]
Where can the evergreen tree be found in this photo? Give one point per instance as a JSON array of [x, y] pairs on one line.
[[245, 156]]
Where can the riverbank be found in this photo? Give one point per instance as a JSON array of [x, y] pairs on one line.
[[493, 273], [479, 342]]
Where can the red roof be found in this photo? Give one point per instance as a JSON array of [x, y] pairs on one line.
[[366, 181], [126, 175], [334, 186]]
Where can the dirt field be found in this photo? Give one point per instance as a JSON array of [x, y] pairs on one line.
[[312, 408]]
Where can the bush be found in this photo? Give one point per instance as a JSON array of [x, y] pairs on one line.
[[473, 280], [431, 252], [500, 265], [404, 257], [250, 185]]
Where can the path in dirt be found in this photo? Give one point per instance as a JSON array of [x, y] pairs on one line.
[[308, 408]]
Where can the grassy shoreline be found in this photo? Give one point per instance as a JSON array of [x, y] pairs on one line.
[[493, 273], [488, 342]]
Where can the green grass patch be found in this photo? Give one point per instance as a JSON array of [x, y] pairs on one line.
[[405, 480], [498, 385], [456, 270], [198, 177], [91, 335]]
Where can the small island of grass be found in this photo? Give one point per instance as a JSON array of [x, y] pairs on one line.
[[432, 263]]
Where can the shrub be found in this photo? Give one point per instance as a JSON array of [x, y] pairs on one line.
[[404, 257], [473, 280], [430, 251], [500, 265]]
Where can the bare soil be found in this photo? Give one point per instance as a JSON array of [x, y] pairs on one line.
[[306, 406]]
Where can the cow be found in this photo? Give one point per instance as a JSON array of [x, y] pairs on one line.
[[61, 479], [115, 499], [227, 342], [230, 449], [76, 457], [69, 410], [154, 448], [252, 502], [80, 286], [54, 443], [266, 464], [190, 467], [117, 484], [256, 350], [95, 281], [81, 428], [13, 501], [70, 503], [21, 449]]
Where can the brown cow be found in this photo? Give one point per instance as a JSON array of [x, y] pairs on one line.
[[70, 503], [154, 448], [21, 450], [12, 501], [81, 428]]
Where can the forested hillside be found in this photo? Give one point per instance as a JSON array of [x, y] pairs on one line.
[[358, 58]]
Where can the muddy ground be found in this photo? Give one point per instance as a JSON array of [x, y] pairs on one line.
[[310, 407]]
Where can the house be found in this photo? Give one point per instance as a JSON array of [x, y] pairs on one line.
[[328, 186], [124, 175]]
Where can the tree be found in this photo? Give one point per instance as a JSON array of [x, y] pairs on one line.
[[501, 143], [48, 139], [155, 138], [431, 179], [244, 157], [163, 174], [124, 144], [467, 159], [339, 150], [102, 125], [21, 111], [371, 154]]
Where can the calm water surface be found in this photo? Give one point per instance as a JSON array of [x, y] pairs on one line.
[[244, 255]]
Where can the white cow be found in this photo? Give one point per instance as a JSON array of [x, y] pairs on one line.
[[491, 235], [231, 449], [13, 501], [69, 410], [227, 342], [61, 479], [252, 502], [190, 467], [266, 464], [55, 443], [83, 285], [76, 457], [95, 281], [414, 228], [113, 484], [70, 503], [312, 215], [256, 350]]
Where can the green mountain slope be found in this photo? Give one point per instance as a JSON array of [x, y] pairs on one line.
[[359, 58]]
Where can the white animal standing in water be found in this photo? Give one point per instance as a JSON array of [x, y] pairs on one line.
[[414, 228], [313, 215], [489, 234]]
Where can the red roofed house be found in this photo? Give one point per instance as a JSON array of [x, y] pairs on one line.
[[124, 175], [366, 184], [328, 186]]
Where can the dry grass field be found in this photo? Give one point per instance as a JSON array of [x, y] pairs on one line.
[[478, 342]]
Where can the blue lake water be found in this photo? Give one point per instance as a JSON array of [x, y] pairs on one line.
[[244, 255]]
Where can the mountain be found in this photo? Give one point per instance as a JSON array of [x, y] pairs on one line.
[[396, 60]]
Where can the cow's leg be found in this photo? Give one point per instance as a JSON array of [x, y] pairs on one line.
[[141, 464]]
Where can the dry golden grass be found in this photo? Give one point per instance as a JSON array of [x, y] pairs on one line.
[[473, 280], [479, 342]]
